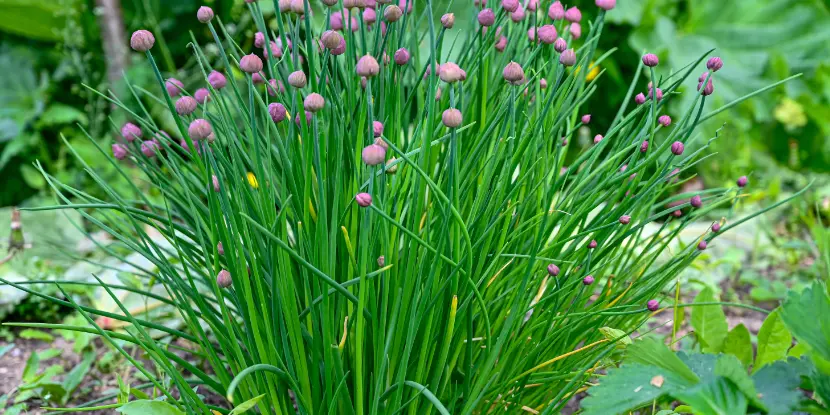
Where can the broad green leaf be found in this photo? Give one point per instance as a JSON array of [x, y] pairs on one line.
[[57, 114], [21, 97], [649, 351], [729, 367], [30, 370], [36, 334], [738, 344], [32, 177], [614, 334], [800, 349], [703, 365], [773, 341], [34, 19], [244, 406], [777, 384], [145, 407], [720, 397], [630, 386], [49, 353], [800, 311], [16, 409], [709, 322], [138, 393]]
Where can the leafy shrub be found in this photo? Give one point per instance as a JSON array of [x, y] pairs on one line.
[[358, 235]]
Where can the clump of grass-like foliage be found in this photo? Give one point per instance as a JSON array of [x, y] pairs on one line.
[[343, 231]]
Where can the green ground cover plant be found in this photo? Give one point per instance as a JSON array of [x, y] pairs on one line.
[[365, 219]]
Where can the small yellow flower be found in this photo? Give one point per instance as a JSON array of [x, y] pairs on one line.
[[253, 181], [790, 113], [592, 74]]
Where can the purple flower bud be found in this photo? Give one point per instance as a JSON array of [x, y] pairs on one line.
[[202, 95], [204, 14], [373, 154], [573, 15], [652, 305], [402, 56], [588, 280], [250, 63], [556, 11], [576, 30], [553, 270], [448, 20], [714, 64], [664, 120], [217, 80], [532, 5], [644, 146], [606, 4], [592, 244], [640, 98], [297, 6], [513, 73], [392, 13], [257, 79], [314, 102], [199, 129], [677, 148], [716, 227], [510, 5], [367, 66], [377, 128], [130, 131], [277, 111], [560, 45], [273, 49], [274, 87], [696, 201], [625, 219], [450, 72], [452, 118], [186, 105], [219, 247], [543, 83], [259, 39], [119, 151], [702, 245], [223, 280], [518, 15], [174, 87], [742, 181], [650, 60], [501, 44], [297, 79], [586, 119], [363, 199], [284, 5], [341, 49], [370, 16], [406, 5], [149, 148], [298, 119], [142, 41], [215, 181], [598, 138], [677, 213], [708, 89], [486, 17], [331, 39], [547, 34], [568, 58], [659, 94]]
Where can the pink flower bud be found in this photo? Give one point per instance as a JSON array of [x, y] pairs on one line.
[[369, 16], [298, 120], [450, 72], [250, 63], [556, 11], [716, 227], [331, 39], [174, 87], [149, 148], [625, 219], [573, 15], [501, 44], [340, 49], [709, 89], [259, 39], [742, 181], [553, 270], [650, 60], [202, 95], [486, 17], [186, 105], [223, 280], [217, 80], [640, 98], [377, 128], [606, 4], [659, 94], [273, 49], [644, 146], [652, 305], [367, 66], [588, 280], [199, 129], [406, 5], [277, 112], [257, 79], [363, 199], [219, 248], [314, 102], [547, 34], [576, 30], [448, 20], [568, 58], [297, 6], [702, 246], [373, 154], [598, 138], [130, 132], [510, 5], [274, 87], [452, 118], [560, 45], [677, 148], [513, 73], [592, 244], [402, 56], [142, 41], [518, 15], [532, 5], [204, 14], [119, 151], [696, 201], [297, 79], [215, 181], [714, 64], [392, 13], [586, 119], [664, 120]]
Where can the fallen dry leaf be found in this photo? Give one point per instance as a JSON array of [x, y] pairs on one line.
[[657, 381]]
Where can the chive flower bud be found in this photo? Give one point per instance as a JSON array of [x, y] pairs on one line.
[[215, 181], [532, 5], [501, 44], [588, 280], [659, 94], [363, 199], [547, 34], [340, 49], [640, 99], [174, 87], [257, 79], [573, 15], [250, 63], [274, 87], [273, 49], [392, 13], [560, 45], [217, 80], [592, 244], [716, 227], [448, 20], [518, 15], [664, 120], [377, 128], [556, 11], [714, 64], [119, 151], [277, 112], [202, 95], [702, 245], [708, 89], [598, 138], [586, 119], [259, 39], [450, 73], [297, 6], [677, 148], [652, 305], [452, 118], [223, 280], [331, 39], [130, 131], [543, 83], [644, 146], [149, 148], [402, 56], [373, 154], [651, 60], [314, 102], [199, 129], [219, 247], [298, 119], [553, 270], [297, 79], [696, 201], [142, 40], [625, 219], [510, 5], [576, 30], [568, 58], [742, 181], [186, 105], [486, 17], [204, 14], [606, 4], [513, 73], [367, 66]]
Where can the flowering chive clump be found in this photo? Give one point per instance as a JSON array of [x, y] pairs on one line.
[[469, 213]]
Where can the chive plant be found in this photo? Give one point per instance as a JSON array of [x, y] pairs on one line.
[[365, 217]]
